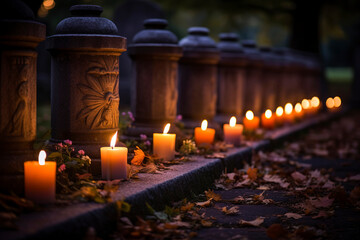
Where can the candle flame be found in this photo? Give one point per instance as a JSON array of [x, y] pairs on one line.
[[166, 128], [249, 115], [42, 156], [279, 111], [315, 102], [204, 125], [330, 103], [113, 140], [298, 108], [232, 121], [288, 108], [337, 101], [305, 104], [268, 113]]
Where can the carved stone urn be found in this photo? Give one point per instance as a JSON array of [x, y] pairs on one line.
[[85, 97], [231, 78], [155, 54], [198, 77], [19, 36]]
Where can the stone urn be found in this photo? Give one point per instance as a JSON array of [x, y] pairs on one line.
[[85, 52], [19, 37], [155, 53], [231, 78], [198, 77]]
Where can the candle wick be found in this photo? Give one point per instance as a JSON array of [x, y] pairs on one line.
[[112, 147]]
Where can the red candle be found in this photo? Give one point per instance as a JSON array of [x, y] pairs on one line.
[[268, 120], [251, 122], [233, 132], [204, 135]]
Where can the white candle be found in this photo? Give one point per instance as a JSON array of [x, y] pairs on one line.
[[164, 144]]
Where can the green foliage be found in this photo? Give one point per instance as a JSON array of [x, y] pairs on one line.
[[188, 147]]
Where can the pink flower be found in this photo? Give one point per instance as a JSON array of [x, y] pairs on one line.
[[60, 145], [123, 113], [179, 117], [143, 137], [62, 168], [131, 116], [147, 143], [81, 152], [68, 142]]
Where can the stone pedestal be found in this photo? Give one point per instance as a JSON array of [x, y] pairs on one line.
[[231, 78], [85, 97], [253, 81], [18, 39], [198, 77], [155, 54]]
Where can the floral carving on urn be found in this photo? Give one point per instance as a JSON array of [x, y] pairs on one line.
[[100, 94]]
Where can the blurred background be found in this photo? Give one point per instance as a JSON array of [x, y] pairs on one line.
[[329, 28]]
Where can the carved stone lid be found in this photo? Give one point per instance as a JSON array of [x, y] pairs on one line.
[[251, 51], [155, 32], [86, 20], [229, 42], [198, 38]]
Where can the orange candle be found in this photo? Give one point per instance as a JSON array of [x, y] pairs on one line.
[[113, 161], [40, 179], [204, 135], [164, 144], [279, 115], [233, 132], [251, 122], [298, 112], [337, 101], [268, 120], [315, 104], [305, 104], [289, 116]]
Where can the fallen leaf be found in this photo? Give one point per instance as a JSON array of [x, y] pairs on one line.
[[231, 211], [177, 224], [298, 177], [323, 202], [204, 204], [252, 173], [187, 207], [139, 157], [323, 214], [206, 223], [238, 199], [355, 178], [255, 223], [276, 179], [246, 182], [263, 187], [211, 195], [293, 215], [276, 231]]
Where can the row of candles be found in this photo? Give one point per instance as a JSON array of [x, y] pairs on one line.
[[40, 176]]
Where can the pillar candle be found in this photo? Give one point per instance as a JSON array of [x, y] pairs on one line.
[[268, 120], [305, 104], [251, 122], [233, 132], [203, 134], [298, 111], [279, 116], [113, 161], [40, 180], [337, 102], [288, 115], [315, 104], [164, 144]]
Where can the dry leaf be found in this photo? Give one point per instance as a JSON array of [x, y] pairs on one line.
[[231, 211], [139, 157], [323, 202], [211, 195], [298, 177], [324, 214], [187, 207], [204, 204], [293, 215], [276, 179], [355, 178], [206, 223], [255, 223], [252, 173], [246, 182]]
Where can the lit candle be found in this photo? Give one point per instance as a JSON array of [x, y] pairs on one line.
[[298, 110], [267, 119], [337, 101], [204, 135], [232, 132], [330, 103], [113, 161], [314, 103], [305, 104], [164, 144], [279, 115], [288, 109], [40, 179], [251, 122]]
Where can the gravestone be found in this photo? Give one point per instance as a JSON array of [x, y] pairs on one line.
[[198, 77], [231, 78], [85, 97], [129, 18], [19, 36], [155, 54]]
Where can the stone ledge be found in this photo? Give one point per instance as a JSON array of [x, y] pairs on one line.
[[156, 189]]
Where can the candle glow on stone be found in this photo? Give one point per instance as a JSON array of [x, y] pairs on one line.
[[337, 101], [203, 134]]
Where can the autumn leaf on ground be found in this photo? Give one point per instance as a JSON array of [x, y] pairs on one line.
[[276, 231], [206, 223], [211, 195], [252, 173], [355, 178], [231, 211], [323, 202], [298, 177], [293, 215], [255, 223], [246, 182], [187, 207], [139, 157], [324, 214], [237, 199], [204, 204], [276, 179]]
